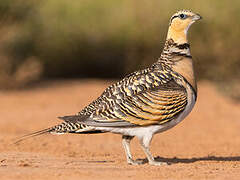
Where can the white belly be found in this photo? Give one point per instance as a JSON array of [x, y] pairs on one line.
[[153, 129]]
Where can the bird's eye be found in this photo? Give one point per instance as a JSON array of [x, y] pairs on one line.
[[182, 16]]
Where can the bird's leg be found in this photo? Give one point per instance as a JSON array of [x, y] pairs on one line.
[[145, 142], [126, 145]]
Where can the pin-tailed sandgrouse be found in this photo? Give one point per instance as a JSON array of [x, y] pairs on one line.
[[145, 102]]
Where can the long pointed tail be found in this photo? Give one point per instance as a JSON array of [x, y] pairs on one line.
[[37, 133], [65, 127]]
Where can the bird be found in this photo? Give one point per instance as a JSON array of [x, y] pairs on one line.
[[145, 102]]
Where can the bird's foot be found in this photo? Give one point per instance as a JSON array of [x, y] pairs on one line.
[[137, 161], [157, 163]]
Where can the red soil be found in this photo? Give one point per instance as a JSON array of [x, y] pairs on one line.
[[206, 145]]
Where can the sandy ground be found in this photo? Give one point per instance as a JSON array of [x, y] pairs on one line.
[[206, 145]]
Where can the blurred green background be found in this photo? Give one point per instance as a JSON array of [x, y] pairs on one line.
[[49, 39]]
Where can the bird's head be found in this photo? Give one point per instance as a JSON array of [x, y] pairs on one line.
[[179, 25]]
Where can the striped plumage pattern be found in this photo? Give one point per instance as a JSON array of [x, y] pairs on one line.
[[154, 99], [146, 97]]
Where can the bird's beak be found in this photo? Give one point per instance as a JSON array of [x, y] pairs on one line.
[[196, 17]]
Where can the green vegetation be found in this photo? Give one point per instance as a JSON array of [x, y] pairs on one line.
[[90, 38]]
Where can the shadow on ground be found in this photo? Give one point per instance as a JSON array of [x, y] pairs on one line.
[[176, 160], [192, 160]]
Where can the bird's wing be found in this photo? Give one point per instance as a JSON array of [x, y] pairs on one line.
[[138, 100]]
